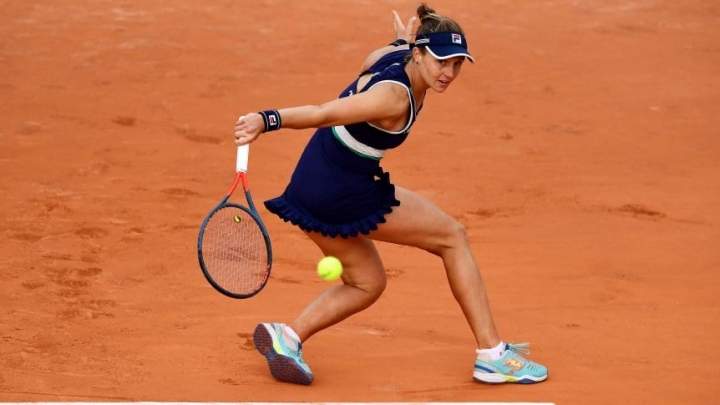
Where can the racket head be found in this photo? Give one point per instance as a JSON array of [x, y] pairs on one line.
[[234, 251]]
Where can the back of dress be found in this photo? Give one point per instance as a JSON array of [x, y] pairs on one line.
[[365, 138]]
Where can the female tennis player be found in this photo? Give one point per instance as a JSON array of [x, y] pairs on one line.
[[344, 201]]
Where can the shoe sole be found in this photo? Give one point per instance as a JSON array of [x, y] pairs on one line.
[[495, 378], [282, 368]]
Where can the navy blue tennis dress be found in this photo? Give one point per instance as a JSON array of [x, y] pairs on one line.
[[338, 187]]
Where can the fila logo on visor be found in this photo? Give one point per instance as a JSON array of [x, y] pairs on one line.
[[456, 39]]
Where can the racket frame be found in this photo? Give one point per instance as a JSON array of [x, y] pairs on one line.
[[240, 178]]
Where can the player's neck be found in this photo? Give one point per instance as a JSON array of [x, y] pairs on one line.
[[417, 83]]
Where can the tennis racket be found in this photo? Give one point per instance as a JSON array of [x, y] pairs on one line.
[[233, 245]]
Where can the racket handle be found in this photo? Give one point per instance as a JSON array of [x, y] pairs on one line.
[[243, 153]]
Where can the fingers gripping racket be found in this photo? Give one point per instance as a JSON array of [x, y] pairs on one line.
[[233, 244]]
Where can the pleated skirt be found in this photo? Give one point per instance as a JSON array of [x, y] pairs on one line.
[[335, 191]]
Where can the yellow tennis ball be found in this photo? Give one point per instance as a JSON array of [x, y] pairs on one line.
[[329, 268]]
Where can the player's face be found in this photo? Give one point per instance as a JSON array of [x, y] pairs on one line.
[[440, 73]]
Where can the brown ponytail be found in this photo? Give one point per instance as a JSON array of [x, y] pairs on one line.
[[431, 21]]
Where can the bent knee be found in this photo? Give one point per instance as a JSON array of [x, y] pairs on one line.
[[453, 236], [375, 289], [372, 289]]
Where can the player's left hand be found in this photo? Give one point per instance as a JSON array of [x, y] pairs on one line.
[[248, 128], [405, 31]]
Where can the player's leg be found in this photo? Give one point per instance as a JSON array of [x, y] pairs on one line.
[[363, 278], [363, 282], [418, 222]]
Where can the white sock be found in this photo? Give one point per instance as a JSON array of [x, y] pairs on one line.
[[495, 352], [290, 332]]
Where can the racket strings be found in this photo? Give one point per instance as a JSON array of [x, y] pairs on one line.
[[234, 251]]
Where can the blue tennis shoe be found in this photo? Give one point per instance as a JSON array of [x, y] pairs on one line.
[[283, 354], [511, 367]]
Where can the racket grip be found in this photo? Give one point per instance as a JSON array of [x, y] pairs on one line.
[[241, 163], [243, 153]]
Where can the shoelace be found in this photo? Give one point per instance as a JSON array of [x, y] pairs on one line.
[[521, 348], [518, 347]]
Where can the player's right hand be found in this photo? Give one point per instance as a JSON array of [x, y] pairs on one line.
[[248, 128]]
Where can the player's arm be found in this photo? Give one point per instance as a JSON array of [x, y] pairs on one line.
[[379, 53], [385, 105]]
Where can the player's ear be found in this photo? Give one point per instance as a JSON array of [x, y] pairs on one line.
[[416, 55]]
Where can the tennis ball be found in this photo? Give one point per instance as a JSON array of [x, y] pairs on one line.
[[329, 268], [237, 219]]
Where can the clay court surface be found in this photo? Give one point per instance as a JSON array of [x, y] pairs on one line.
[[581, 152]]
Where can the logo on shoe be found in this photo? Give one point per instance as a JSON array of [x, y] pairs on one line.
[[514, 364]]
